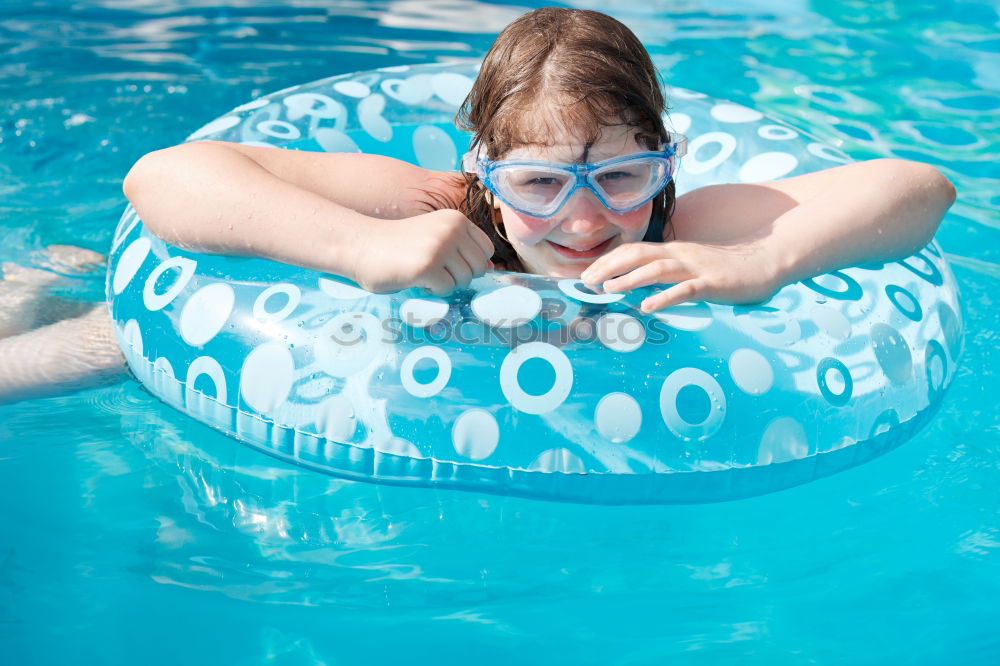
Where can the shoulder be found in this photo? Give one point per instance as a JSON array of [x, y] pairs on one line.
[[722, 212]]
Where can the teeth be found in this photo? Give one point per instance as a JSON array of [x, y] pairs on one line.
[[588, 249]]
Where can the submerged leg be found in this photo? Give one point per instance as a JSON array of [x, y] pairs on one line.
[[28, 297], [69, 355]]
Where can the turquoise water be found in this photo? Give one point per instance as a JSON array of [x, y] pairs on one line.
[[134, 535]]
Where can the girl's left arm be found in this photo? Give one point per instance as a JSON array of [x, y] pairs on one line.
[[740, 243]]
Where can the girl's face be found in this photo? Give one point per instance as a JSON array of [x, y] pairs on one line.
[[583, 229]]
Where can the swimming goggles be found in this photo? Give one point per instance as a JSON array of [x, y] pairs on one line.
[[540, 188]]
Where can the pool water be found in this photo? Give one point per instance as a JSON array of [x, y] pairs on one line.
[[133, 535]]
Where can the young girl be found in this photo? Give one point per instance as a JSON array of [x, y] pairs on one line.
[[571, 91]]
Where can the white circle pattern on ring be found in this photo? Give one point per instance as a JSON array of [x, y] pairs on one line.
[[761, 322], [831, 321], [334, 141], [312, 104], [620, 332], [687, 316], [422, 312], [162, 365], [129, 262], [124, 228], [562, 461], [672, 386], [694, 165], [568, 287], [767, 166], [292, 292], [680, 122], [735, 113], [507, 307], [266, 376], [412, 91], [522, 400], [163, 378], [434, 149], [253, 104], [751, 371], [783, 440], [618, 417], [557, 310], [475, 434], [410, 383], [133, 336], [398, 446], [205, 313], [154, 301], [348, 343], [684, 93], [340, 290], [352, 89], [279, 129], [776, 132], [335, 419], [206, 365], [827, 153], [371, 119], [451, 87]]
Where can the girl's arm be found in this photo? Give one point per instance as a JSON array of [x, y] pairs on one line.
[[740, 243], [336, 213]]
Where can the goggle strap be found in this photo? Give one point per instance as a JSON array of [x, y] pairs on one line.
[[470, 161], [680, 143]]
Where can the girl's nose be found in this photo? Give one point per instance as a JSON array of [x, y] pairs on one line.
[[582, 213]]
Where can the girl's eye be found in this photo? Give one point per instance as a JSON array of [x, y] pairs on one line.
[[539, 183], [611, 176]]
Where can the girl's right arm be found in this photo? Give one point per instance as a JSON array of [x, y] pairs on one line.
[[379, 221]]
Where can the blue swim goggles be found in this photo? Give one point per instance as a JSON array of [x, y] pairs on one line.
[[540, 188]]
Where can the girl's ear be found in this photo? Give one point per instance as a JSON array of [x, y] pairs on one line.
[[494, 202]]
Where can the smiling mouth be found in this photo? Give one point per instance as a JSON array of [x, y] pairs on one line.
[[595, 251]]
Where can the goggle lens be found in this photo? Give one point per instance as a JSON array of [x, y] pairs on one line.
[[532, 188], [541, 190], [625, 184]]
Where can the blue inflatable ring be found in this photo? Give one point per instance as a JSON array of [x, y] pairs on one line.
[[523, 384]]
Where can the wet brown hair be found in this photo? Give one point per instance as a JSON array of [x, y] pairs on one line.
[[590, 69]]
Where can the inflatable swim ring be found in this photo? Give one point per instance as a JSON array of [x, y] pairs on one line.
[[523, 384]]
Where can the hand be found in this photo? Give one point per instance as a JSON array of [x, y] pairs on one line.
[[440, 251], [736, 272]]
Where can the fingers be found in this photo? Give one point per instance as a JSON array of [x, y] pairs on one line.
[[481, 239], [439, 282], [459, 269], [656, 272], [621, 260], [475, 260], [689, 290]]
